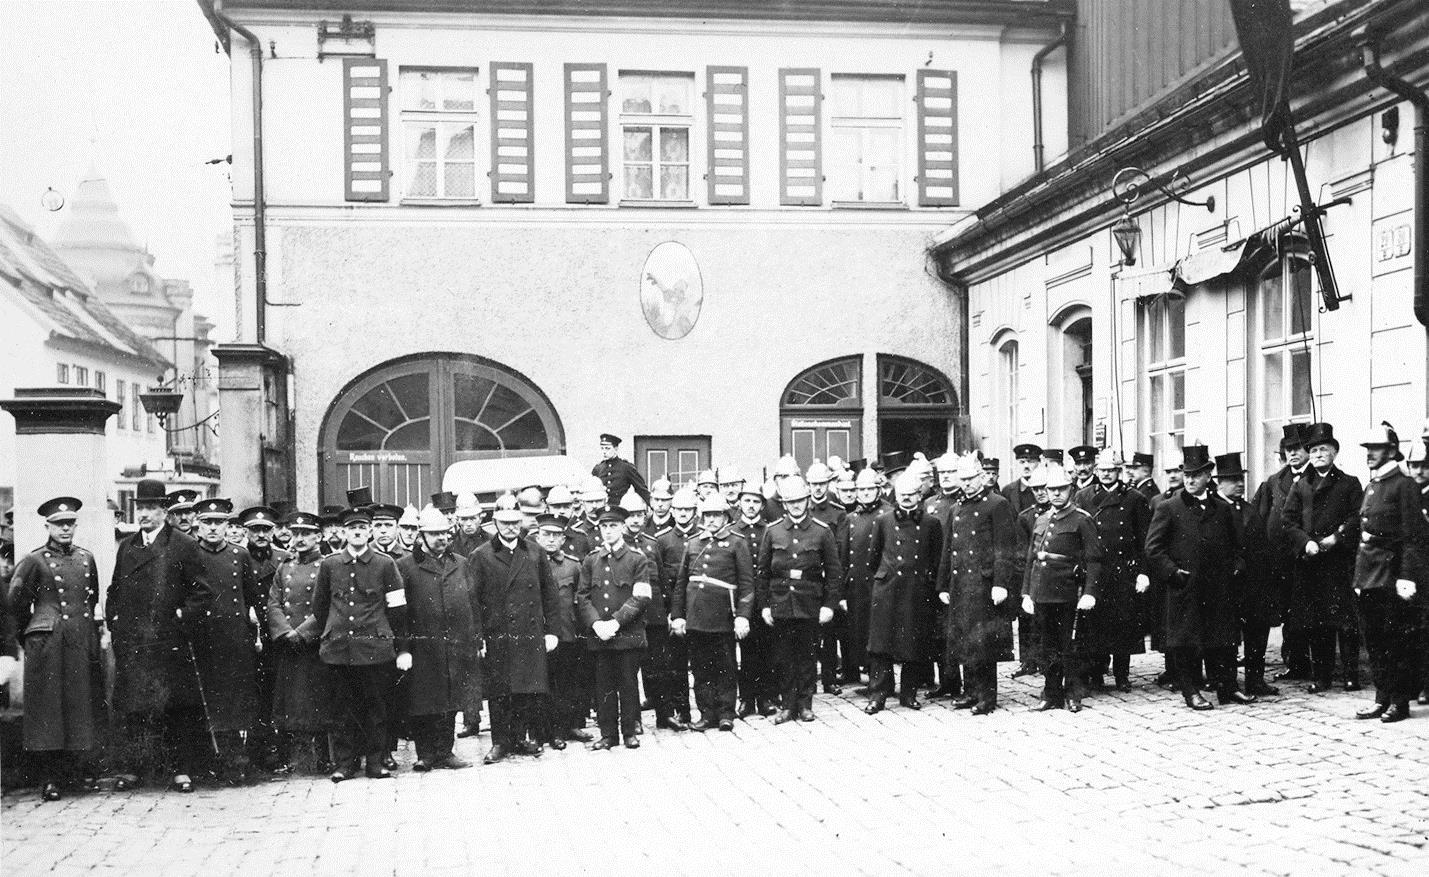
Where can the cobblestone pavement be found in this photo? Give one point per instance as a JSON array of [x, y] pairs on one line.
[[1135, 783]]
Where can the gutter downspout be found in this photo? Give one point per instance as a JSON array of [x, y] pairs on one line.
[[260, 211], [1037, 59]]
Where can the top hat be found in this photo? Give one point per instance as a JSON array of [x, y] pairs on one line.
[[1293, 436], [1321, 434], [332, 514], [444, 501], [1195, 458], [359, 496], [1229, 465]]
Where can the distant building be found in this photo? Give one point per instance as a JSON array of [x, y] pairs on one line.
[[500, 229], [94, 238], [57, 332]]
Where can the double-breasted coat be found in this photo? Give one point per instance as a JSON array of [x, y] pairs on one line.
[[360, 608], [441, 635], [716, 582], [909, 546], [979, 554], [1323, 590], [52, 596], [156, 600], [618, 476], [302, 686], [798, 571], [860, 564], [1064, 557], [517, 606], [1193, 545], [607, 592], [1394, 535], [1270, 572], [1122, 516], [227, 651], [664, 554]]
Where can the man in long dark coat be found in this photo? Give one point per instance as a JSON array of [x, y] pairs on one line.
[[1267, 608], [909, 545], [1193, 545], [261, 523], [518, 606], [302, 687], [758, 688], [567, 664], [860, 563], [228, 650], [1390, 564], [1021, 495], [941, 505], [53, 596], [1255, 590], [1122, 516], [976, 582], [1321, 519], [441, 636], [157, 600]]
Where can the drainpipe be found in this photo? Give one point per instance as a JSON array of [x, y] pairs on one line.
[[1420, 100], [260, 211], [1037, 59]]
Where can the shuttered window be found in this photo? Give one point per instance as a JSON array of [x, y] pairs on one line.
[[727, 105], [439, 123], [512, 134], [364, 82], [937, 100], [800, 163], [587, 149]]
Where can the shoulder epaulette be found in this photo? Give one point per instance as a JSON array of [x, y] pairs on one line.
[[820, 523], [1085, 513]]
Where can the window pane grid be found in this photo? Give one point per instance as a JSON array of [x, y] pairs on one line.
[[439, 122], [866, 139], [655, 130]]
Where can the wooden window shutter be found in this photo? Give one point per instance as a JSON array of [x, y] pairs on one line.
[[801, 171], [727, 106], [364, 104], [587, 143], [937, 100], [513, 179]]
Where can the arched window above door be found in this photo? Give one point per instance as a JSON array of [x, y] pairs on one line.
[[904, 382], [391, 416], [833, 384]]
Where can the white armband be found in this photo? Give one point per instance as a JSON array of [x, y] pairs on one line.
[[397, 598]]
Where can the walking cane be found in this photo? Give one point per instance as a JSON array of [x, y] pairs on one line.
[[203, 699]]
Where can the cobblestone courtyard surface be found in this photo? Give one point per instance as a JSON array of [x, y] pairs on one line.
[[1135, 783]]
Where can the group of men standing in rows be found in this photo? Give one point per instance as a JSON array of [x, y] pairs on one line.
[[321, 638]]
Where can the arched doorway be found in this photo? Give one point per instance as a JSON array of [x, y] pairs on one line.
[[916, 408], [821, 412], [398, 427]]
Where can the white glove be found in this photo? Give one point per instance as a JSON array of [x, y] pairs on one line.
[[768, 616], [843, 604], [677, 626], [999, 595], [1086, 602], [641, 591], [741, 627], [8, 667], [1027, 606], [826, 614], [551, 642], [1142, 583], [104, 638], [258, 644], [1405, 589], [404, 661], [945, 597], [606, 629], [1312, 548], [1329, 541]]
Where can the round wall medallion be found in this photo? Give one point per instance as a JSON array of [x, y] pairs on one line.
[[671, 291]]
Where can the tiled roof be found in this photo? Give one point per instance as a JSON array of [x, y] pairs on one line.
[[40, 278]]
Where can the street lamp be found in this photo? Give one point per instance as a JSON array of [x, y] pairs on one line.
[[1127, 233], [162, 402]]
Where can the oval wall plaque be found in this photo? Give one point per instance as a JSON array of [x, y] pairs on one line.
[[671, 291]]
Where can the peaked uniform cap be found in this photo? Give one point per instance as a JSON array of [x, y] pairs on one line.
[[60, 509], [1083, 454], [1053, 455], [303, 521], [385, 510], [608, 438], [1027, 451], [1141, 458], [356, 515], [612, 514], [550, 523], [258, 516]]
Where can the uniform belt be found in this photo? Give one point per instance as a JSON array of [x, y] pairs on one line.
[[711, 580]]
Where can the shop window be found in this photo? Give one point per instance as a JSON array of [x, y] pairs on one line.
[[866, 138], [439, 118], [656, 115]]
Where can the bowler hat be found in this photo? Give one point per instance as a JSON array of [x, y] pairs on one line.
[[1321, 434], [1229, 465], [359, 496], [151, 491], [1195, 458]]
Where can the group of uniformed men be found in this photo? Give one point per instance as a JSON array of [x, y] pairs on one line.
[[270, 639]]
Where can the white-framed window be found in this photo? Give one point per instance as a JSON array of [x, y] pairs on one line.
[[101, 381], [1164, 359], [136, 408], [81, 376], [866, 139], [62, 373], [656, 119], [1283, 328], [439, 124], [123, 404], [1009, 369]]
